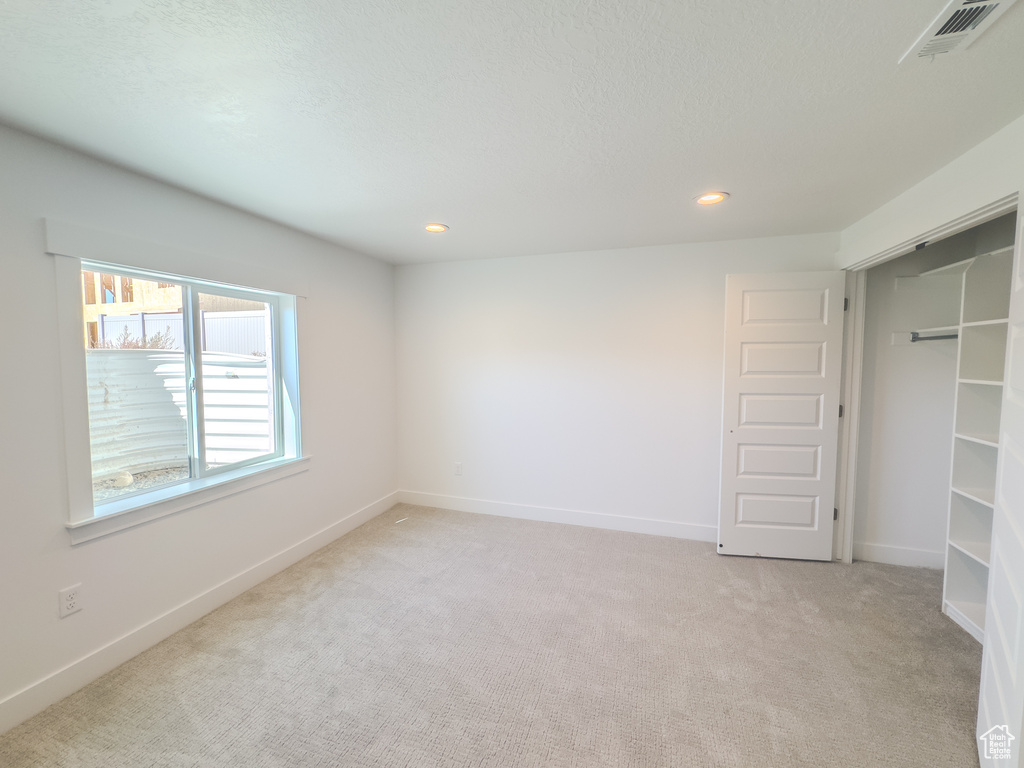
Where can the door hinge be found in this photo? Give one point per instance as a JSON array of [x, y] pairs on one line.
[[846, 305], [840, 410], [835, 513]]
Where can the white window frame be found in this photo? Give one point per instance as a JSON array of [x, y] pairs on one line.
[[72, 246]]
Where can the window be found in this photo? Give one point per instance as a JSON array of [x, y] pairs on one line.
[[215, 371], [186, 384]]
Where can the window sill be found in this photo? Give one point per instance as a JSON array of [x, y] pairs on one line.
[[125, 513]]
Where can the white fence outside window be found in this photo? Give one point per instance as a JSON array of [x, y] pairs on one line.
[[240, 332], [137, 408]]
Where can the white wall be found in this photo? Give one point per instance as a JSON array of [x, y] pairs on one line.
[[580, 387], [141, 584], [906, 431]]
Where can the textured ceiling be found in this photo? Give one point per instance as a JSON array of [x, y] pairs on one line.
[[527, 126]]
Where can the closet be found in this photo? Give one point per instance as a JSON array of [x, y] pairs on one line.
[[935, 352]]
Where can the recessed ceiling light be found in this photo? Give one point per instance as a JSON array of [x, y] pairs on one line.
[[711, 198], [435, 227]]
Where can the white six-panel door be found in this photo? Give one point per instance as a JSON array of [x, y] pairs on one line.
[[1001, 704], [783, 365]]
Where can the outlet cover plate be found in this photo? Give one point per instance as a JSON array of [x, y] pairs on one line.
[[69, 600]]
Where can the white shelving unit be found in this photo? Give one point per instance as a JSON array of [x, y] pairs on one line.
[[977, 413], [982, 331], [974, 470]]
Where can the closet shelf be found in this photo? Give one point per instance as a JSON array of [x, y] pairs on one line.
[[989, 440], [986, 496], [981, 551], [939, 329], [950, 269], [996, 321], [986, 296], [1005, 251], [977, 413], [976, 293]]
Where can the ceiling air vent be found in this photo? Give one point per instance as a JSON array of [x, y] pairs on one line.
[[957, 27]]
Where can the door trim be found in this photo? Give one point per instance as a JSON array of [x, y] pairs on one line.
[[988, 212], [849, 429]]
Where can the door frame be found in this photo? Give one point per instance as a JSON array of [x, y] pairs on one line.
[[853, 355], [849, 426]]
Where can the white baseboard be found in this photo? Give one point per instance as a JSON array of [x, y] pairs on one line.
[[568, 516], [35, 698], [885, 553]]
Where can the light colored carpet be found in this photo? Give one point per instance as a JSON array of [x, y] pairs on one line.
[[453, 639]]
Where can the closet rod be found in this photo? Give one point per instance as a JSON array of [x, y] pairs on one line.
[[915, 336]]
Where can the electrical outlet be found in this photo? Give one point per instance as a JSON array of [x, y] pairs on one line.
[[458, 467], [70, 600]]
